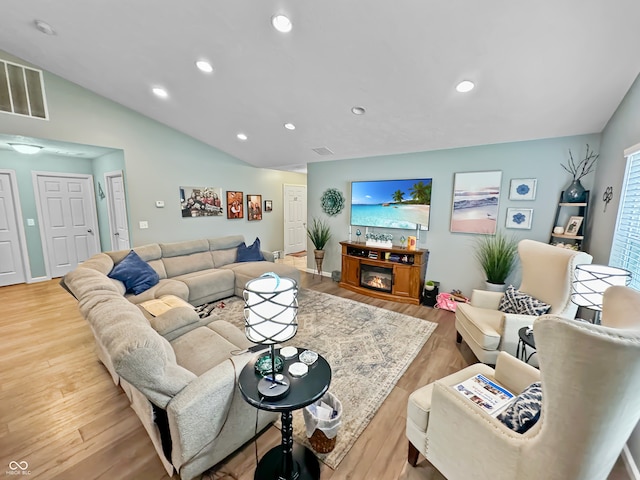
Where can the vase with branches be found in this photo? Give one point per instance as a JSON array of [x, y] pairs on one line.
[[575, 192]]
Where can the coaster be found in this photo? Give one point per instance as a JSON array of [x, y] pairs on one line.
[[298, 369], [288, 352]]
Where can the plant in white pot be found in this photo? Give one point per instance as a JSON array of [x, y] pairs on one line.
[[319, 234], [497, 255]]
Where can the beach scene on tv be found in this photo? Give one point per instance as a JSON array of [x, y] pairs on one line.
[[391, 203]]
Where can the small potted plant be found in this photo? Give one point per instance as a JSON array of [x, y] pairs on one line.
[[319, 234], [429, 285], [497, 255]]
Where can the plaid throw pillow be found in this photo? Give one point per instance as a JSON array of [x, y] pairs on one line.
[[524, 411], [515, 301]]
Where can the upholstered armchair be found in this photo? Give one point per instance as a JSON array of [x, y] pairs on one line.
[[590, 404], [547, 273]]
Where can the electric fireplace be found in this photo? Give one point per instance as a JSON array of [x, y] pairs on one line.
[[376, 278]]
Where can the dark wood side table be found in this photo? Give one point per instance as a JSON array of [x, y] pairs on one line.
[[288, 461], [525, 340]]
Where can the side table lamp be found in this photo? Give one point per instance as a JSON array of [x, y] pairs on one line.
[[270, 317], [591, 281]]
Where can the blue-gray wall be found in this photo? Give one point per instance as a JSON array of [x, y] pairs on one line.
[[451, 260]]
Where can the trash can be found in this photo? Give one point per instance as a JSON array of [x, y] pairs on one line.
[[322, 421]]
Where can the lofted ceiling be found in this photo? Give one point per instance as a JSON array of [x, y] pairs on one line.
[[542, 69]]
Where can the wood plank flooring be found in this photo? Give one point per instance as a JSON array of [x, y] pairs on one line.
[[61, 413]]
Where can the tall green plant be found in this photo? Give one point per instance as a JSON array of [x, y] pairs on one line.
[[319, 234], [497, 256]]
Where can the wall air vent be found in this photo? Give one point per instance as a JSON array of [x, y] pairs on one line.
[[22, 91], [322, 151]]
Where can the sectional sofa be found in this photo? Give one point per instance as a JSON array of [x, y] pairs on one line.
[[179, 371]]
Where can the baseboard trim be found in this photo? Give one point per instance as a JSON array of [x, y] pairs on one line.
[[315, 272], [38, 279], [629, 462]]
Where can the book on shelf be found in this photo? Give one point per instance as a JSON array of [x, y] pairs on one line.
[[488, 395]]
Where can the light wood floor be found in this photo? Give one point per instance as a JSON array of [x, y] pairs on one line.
[[61, 413]]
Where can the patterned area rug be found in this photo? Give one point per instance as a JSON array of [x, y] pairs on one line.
[[368, 348]]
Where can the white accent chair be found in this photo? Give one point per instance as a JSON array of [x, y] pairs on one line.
[[547, 274], [590, 378]]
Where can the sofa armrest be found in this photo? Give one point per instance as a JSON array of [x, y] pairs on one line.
[[514, 374], [268, 256], [486, 299], [174, 319]]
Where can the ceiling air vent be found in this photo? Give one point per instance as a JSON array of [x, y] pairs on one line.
[[322, 151], [22, 91]]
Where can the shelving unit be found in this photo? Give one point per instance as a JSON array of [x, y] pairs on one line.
[[388, 273], [579, 209]]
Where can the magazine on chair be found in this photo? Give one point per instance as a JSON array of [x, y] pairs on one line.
[[488, 395]]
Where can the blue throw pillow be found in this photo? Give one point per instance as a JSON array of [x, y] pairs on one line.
[[524, 411], [136, 274], [251, 253]]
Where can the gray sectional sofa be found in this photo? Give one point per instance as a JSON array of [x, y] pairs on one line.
[[179, 371]]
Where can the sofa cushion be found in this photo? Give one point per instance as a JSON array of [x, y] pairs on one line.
[[524, 411], [187, 263], [136, 274], [202, 349], [246, 271], [250, 253], [224, 243], [208, 285], [224, 257], [515, 301], [482, 324]]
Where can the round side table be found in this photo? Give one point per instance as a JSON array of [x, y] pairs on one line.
[[287, 461], [525, 340]]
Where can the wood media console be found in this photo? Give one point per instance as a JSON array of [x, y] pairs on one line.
[[394, 273]]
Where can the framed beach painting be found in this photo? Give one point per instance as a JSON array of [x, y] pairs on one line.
[[254, 207], [519, 218], [235, 204], [523, 189], [201, 201], [476, 196]]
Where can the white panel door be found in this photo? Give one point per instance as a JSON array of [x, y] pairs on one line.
[[295, 218], [118, 216], [68, 219], [12, 269]]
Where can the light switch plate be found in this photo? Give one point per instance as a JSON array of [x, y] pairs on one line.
[[144, 224], [159, 204], [31, 222]]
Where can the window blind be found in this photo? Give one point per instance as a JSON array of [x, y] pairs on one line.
[[625, 250]]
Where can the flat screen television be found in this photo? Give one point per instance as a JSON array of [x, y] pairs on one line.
[[404, 204]]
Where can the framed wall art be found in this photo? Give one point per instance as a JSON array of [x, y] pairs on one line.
[[476, 196], [235, 204], [268, 205], [519, 218], [201, 201], [523, 189], [254, 207]]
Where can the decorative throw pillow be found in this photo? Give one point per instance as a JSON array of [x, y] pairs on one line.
[[524, 411], [136, 274], [251, 253], [515, 301]]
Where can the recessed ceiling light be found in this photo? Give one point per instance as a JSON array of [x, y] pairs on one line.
[[281, 23], [465, 86], [204, 66], [358, 110], [160, 92], [289, 126], [26, 149], [242, 136], [44, 27]]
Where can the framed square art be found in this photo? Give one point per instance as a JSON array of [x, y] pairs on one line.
[[254, 207], [573, 225], [476, 196], [519, 218], [268, 205], [523, 189], [235, 204]]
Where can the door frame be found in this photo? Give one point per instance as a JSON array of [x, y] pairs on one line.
[[22, 234], [111, 208], [36, 191]]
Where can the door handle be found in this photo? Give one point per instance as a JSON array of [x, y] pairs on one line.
[[89, 230], [117, 234]]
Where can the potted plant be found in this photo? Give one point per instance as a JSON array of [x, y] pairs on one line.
[[319, 234], [497, 255], [429, 285]]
